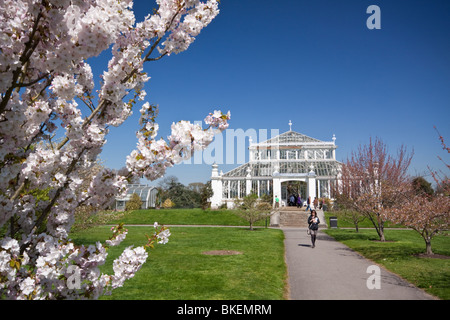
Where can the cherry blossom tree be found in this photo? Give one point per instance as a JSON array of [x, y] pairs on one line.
[[426, 213], [47, 88], [373, 181]]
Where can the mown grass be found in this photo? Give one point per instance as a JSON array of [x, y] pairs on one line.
[[185, 217], [400, 255], [348, 223], [180, 270]]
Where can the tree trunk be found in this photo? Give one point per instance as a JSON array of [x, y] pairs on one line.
[[379, 226], [380, 232], [380, 229], [428, 244]]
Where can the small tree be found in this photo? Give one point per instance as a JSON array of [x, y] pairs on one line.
[[134, 203], [372, 181], [251, 209], [353, 216], [426, 213], [206, 192]]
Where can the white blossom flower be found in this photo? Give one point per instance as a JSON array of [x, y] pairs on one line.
[[54, 96]]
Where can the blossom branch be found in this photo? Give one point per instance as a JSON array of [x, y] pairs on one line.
[[44, 70], [30, 46]]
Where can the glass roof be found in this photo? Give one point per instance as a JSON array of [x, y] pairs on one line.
[[143, 191], [290, 137], [138, 188], [321, 168]]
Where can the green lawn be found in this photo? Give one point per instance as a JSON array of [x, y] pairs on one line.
[[179, 269], [185, 217], [348, 223]]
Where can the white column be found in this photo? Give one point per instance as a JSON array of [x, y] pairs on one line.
[[238, 189], [216, 185], [319, 186], [276, 189], [329, 189], [259, 191], [248, 182], [311, 180], [311, 187]]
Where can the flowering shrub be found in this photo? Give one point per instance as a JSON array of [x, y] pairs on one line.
[[167, 204], [44, 77], [134, 203]]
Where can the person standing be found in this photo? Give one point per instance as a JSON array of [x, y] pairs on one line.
[[292, 200], [308, 204], [313, 222], [277, 202], [299, 202]]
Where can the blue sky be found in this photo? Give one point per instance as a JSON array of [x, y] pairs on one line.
[[315, 63]]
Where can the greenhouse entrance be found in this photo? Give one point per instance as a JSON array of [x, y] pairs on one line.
[[293, 188]]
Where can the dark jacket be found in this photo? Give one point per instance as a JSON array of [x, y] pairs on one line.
[[313, 225]]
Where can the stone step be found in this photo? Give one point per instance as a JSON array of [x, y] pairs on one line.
[[294, 217], [300, 209]]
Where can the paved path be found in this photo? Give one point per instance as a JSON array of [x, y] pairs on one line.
[[333, 271]]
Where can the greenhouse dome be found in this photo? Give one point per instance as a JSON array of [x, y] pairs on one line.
[[145, 192]]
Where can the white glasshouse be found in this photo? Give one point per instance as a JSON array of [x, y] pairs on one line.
[[146, 193], [290, 163]]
